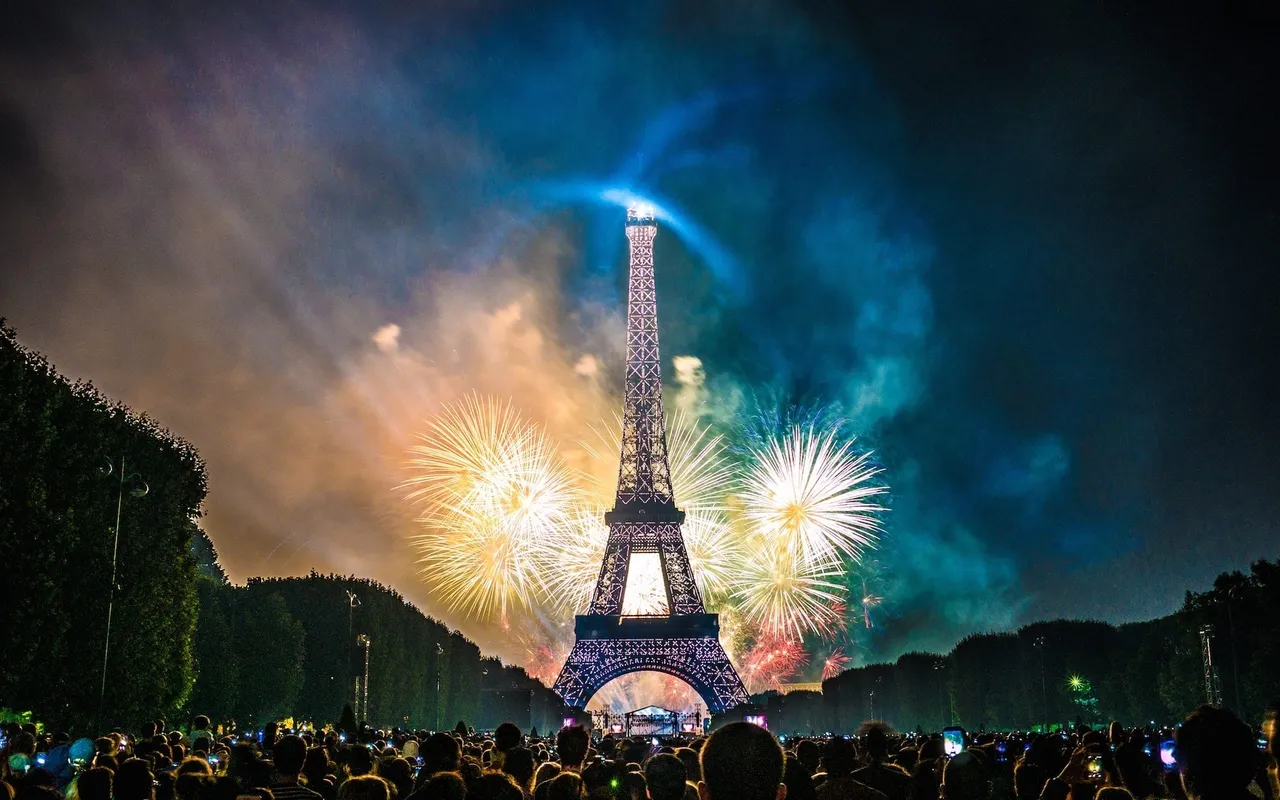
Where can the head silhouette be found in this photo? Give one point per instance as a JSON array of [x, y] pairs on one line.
[[1216, 754], [742, 761]]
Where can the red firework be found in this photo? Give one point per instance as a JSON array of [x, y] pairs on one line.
[[835, 664], [772, 659]]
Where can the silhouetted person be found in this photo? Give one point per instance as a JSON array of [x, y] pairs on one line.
[[572, 743], [94, 784], [37, 792], [1216, 755], [965, 778], [1028, 780], [925, 780], [546, 772], [879, 774], [839, 760], [195, 786], [518, 763], [439, 753], [665, 777], [356, 760], [441, 786], [364, 787], [399, 773], [742, 761], [565, 786], [200, 726], [798, 780], [193, 766], [692, 769], [134, 781], [315, 768], [494, 786], [289, 755], [602, 780]]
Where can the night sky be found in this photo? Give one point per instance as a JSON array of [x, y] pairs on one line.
[[1030, 250]]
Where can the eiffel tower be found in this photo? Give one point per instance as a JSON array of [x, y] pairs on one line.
[[671, 633]]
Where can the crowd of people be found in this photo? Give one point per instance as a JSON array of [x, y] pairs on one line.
[[1212, 755]]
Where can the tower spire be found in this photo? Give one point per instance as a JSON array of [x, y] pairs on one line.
[[644, 472]]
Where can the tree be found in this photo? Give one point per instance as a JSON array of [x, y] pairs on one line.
[[58, 441], [271, 645], [347, 722], [920, 679], [217, 660]]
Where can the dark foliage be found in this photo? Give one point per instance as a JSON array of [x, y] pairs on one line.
[[294, 654], [1134, 673], [58, 510]]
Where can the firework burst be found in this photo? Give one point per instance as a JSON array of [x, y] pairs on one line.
[[493, 492], [869, 601], [834, 664], [772, 660], [786, 597], [814, 497], [570, 563], [715, 552]]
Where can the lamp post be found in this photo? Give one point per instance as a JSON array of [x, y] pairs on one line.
[[352, 603], [439, 699], [140, 489], [938, 666], [366, 641], [1235, 660], [1044, 689]]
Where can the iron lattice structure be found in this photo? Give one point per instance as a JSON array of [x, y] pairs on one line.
[[685, 641], [1212, 689]]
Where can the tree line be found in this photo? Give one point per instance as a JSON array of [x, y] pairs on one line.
[[1064, 672], [288, 648]]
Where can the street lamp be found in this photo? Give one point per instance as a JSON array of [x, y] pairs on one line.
[[139, 489], [362, 639], [1044, 689], [439, 699], [1235, 660], [938, 666], [353, 602]]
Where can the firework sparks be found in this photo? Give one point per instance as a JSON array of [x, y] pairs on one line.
[[494, 493], [715, 552], [786, 597], [834, 664], [771, 660], [570, 563], [814, 497], [869, 601]]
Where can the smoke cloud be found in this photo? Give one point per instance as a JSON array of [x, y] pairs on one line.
[[292, 234]]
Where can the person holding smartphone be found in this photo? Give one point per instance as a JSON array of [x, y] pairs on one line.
[[1086, 767]]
